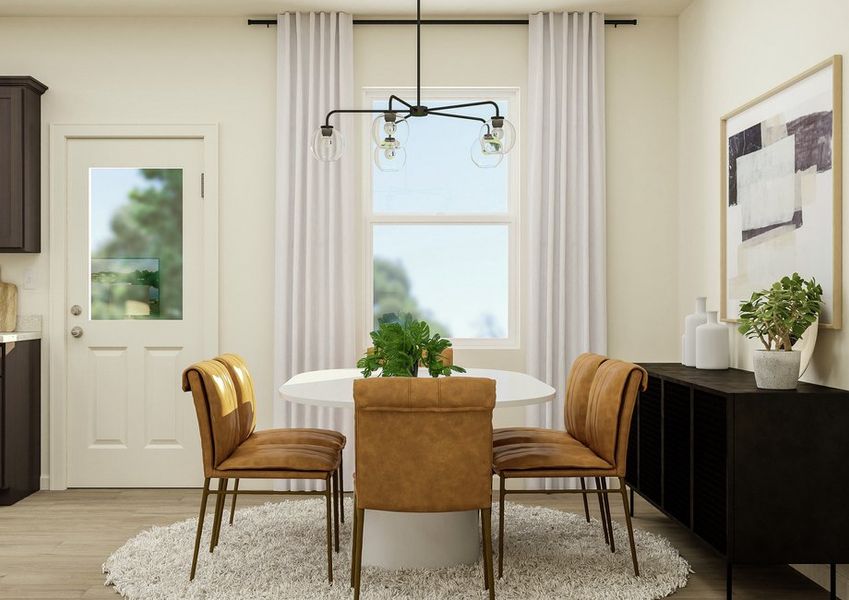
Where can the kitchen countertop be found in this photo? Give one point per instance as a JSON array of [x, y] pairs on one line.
[[7, 337]]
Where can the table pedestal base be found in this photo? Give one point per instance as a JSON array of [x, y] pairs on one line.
[[396, 540]]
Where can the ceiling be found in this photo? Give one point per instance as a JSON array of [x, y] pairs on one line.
[[258, 8]]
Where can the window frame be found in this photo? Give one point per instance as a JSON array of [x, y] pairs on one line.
[[511, 218]]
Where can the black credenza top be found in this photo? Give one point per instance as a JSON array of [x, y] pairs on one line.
[[728, 382]]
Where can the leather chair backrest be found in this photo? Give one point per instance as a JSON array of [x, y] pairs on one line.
[[577, 397], [245, 394], [612, 398], [423, 444], [216, 406]]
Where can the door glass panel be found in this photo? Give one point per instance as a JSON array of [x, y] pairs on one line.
[[136, 244]]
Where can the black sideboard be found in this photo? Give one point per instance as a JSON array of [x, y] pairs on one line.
[[20, 420], [762, 476]]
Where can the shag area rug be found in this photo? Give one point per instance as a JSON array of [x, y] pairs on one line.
[[277, 551]]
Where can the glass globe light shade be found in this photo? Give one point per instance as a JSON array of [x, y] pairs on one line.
[[327, 148], [389, 156], [486, 151], [504, 131], [398, 129]]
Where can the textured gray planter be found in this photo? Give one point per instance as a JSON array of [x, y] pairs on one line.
[[777, 369]]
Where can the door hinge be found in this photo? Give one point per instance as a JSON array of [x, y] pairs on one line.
[[202, 185]]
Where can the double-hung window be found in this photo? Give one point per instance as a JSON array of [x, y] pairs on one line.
[[442, 234]]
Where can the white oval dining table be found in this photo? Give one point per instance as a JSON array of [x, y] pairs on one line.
[[415, 540]]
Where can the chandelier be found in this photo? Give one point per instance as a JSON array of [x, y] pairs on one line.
[[390, 129]]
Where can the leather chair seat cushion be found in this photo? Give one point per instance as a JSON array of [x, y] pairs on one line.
[[544, 455], [284, 457], [326, 438], [527, 435]]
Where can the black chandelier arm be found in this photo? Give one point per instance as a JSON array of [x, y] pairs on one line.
[[401, 100], [466, 117], [351, 111], [468, 104]]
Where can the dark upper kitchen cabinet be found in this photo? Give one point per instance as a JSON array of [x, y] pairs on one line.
[[20, 164]]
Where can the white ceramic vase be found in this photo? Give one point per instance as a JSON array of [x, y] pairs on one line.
[[806, 345], [712, 344], [777, 369], [691, 322]]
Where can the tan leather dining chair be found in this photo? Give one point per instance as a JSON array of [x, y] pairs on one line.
[[612, 397], [423, 445], [575, 402], [246, 396], [225, 455]]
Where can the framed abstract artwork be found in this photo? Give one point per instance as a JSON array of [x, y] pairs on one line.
[[781, 190]]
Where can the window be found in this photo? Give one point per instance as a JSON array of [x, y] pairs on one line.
[[442, 234]]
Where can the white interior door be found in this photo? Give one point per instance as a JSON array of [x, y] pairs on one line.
[[135, 316]]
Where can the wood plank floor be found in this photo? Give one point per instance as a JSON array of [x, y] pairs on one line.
[[52, 544]]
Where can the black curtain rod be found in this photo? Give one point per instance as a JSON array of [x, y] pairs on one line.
[[614, 22]]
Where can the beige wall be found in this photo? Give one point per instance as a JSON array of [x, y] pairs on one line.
[[730, 52], [220, 70]]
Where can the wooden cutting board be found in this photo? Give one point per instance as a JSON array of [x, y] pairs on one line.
[[8, 306]]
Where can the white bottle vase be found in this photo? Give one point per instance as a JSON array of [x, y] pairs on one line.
[[712, 344], [690, 323]]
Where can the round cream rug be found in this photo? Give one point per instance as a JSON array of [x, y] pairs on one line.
[[276, 551]]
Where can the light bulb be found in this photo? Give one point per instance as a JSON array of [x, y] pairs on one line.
[[390, 156], [485, 153], [328, 144], [504, 131], [382, 128]]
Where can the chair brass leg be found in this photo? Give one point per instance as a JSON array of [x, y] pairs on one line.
[[486, 522], [501, 494], [584, 496], [233, 504], [607, 515], [329, 519], [483, 550], [629, 525], [601, 510], [336, 510], [201, 517], [354, 545], [219, 509], [341, 487], [358, 549]]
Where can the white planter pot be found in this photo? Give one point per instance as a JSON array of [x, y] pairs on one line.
[[777, 369], [712, 344]]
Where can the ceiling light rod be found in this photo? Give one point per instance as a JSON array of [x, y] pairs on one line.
[[495, 138], [614, 22]]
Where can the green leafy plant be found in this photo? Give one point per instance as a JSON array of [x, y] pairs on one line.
[[778, 316], [401, 344]]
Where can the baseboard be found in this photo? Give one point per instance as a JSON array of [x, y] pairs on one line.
[[44, 482], [819, 574]]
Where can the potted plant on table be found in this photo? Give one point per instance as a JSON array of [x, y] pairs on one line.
[[401, 344], [779, 316]]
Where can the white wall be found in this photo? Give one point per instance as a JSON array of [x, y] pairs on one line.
[[190, 70], [730, 52]]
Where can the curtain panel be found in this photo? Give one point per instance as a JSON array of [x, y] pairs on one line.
[[315, 243], [566, 310]]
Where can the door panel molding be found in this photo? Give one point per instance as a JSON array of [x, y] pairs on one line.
[[56, 330]]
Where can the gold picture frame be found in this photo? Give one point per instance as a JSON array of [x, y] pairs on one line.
[[763, 133]]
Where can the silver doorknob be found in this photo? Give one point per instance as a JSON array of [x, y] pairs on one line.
[[76, 310], [77, 332]]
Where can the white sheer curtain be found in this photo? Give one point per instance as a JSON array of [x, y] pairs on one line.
[[566, 311], [314, 324]]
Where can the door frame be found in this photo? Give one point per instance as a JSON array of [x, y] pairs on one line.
[[56, 331]]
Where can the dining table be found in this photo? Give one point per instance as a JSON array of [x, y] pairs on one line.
[[415, 540]]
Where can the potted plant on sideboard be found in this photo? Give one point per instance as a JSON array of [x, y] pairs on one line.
[[779, 316], [401, 344]]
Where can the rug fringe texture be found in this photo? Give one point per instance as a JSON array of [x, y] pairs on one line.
[[277, 551]]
